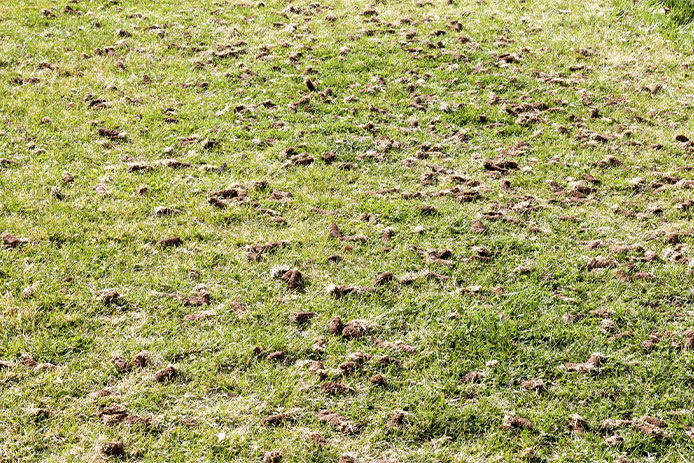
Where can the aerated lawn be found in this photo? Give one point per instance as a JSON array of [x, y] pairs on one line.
[[343, 231]]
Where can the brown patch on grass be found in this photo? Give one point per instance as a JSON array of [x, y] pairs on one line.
[[255, 252], [438, 256], [139, 167], [355, 238], [167, 374], [355, 329], [384, 277], [294, 279], [277, 355], [191, 317], [112, 134], [319, 346], [109, 296], [625, 334], [412, 277], [397, 420], [515, 422], [650, 429], [170, 242], [399, 345], [140, 360], [275, 419], [610, 424], [336, 420], [29, 362], [318, 439], [609, 161], [136, 420], [347, 367], [162, 211], [238, 308], [103, 393], [473, 377], [613, 441], [222, 198], [113, 415], [387, 234], [335, 231], [200, 299], [651, 342], [121, 364], [499, 165], [317, 367], [339, 292], [428, 210], [536, 385], [301, 318], [589, 365], [4, 162], [11, 241], [39, 413], [281, 196], [645, 276], [482, 253], [335, 325], [622, 275], [309, 84], [600, 262], [578, 424], [113, 449], [602, 313], [273, 456], [334, 388], [329, 157], [478, 227]]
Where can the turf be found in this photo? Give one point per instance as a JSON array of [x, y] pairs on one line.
[[682, 11], [207, 186]]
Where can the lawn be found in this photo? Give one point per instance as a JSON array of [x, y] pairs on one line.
[[330, 231]]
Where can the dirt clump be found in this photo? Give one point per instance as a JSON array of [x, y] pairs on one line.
[[514, 422], [166, 374], [336, 420], [275, 419], [593, 362], [170, 242], [273, 456], [397, 419], [334, 388], [536, 385], [335, 325], [113, 449], [11, 241], [120, 363], [377, 380]]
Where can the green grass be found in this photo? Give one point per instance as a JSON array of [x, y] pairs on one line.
[[681, 11], [674, 19], [418, 100]]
